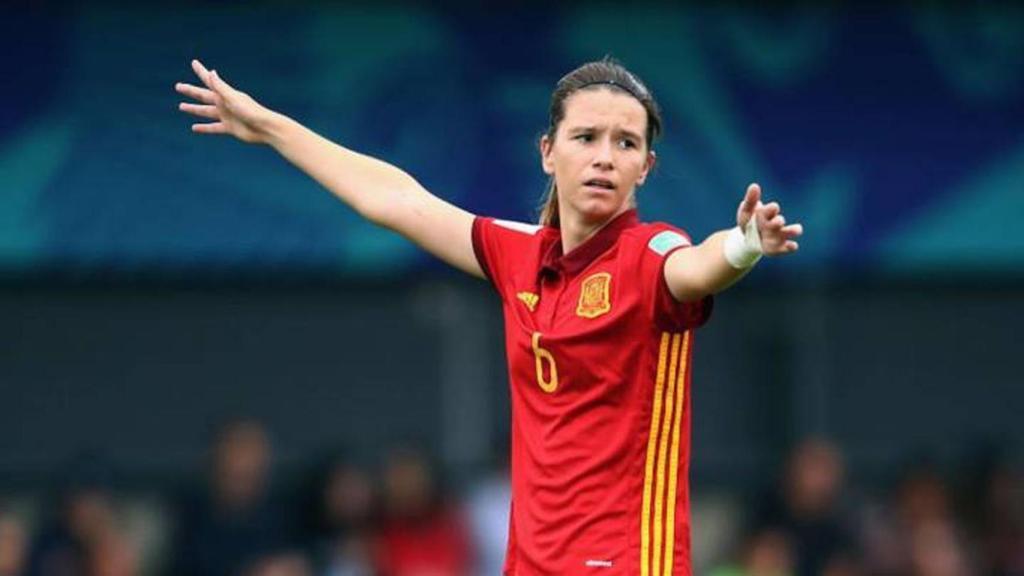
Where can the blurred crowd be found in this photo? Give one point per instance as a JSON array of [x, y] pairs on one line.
[[399, 519], [924, 524]]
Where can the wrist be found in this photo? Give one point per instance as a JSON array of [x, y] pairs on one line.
[[276, 128], [742, 246]]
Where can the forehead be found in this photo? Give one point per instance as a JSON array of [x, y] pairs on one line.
[[603, 107]]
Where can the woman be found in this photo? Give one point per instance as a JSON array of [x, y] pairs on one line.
[[599, 311]]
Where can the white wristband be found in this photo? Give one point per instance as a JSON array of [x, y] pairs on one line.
[[742, 249]]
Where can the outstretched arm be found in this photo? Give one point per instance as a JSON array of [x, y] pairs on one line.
[[693, 273], [378, 191]]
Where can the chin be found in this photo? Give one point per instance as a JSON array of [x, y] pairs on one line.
[[600, 211]]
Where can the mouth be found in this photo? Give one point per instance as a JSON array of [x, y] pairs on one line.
[[602, 183]]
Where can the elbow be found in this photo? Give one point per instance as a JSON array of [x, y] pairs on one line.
[[394, 209], [689, 293], [374, 212], [697, 294]]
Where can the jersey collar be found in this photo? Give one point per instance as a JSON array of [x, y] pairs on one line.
[[554, 262]]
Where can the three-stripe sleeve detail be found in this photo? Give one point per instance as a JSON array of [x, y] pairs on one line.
[[657, 522]]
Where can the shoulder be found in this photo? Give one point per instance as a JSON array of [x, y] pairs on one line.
[[499, 235], [512, 225], [500, 245], [502, 230], [657, 239], [655, 242]]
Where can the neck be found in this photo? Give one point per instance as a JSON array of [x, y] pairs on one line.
[[576, 230]]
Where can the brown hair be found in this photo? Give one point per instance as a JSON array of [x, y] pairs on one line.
[[605, 73]]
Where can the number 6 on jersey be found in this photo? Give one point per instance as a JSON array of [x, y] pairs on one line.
[[540, 355]]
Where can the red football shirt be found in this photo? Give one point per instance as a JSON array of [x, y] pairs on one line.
[[599, 370]]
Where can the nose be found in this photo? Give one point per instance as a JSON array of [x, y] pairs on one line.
[[603, 155]]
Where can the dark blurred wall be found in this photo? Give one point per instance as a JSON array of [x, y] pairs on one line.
[[140, 375]]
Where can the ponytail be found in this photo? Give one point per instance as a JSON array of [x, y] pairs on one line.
[[549, 209]]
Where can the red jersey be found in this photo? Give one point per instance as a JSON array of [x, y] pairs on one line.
[[599, 370]]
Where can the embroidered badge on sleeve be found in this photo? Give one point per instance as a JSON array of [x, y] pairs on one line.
[[664, 241]]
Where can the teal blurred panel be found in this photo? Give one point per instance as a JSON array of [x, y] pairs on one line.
[[523, 102], [825, 208], [863, 122], [978, 47], [376, 93], [977, 227], [780, 47], [140, 190], [29, 161]]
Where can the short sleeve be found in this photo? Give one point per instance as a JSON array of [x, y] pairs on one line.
[[499, 245], [669, 312], [480, 225]]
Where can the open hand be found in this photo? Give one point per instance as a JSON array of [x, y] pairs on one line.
[[776, 237], [231, 111]]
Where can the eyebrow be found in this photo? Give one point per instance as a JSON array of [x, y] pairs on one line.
[[581, 129]]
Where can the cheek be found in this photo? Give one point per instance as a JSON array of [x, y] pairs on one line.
[[628, 167], [567, 165]]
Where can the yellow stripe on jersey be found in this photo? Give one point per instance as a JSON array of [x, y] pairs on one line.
[[645, 517], [673, 466], [659, 488]]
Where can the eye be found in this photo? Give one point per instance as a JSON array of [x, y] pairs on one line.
[[585, 137], [627, 143]]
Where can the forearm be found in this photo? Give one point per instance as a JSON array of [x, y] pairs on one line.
[[371, 187], [728, 255], [716, 274], [696, 272]]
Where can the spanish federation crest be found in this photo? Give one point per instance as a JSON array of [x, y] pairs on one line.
[[595, 296]]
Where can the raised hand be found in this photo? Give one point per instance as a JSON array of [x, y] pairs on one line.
[[776, 237], [230, 111]]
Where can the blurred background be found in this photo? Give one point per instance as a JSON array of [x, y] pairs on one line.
[[210, 366]]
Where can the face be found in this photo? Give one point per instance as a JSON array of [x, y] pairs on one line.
[[599, 155]]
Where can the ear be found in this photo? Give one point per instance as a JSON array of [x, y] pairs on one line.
[[648, 164], [545, 155]]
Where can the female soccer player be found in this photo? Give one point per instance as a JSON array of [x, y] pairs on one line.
[[599, 313]]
